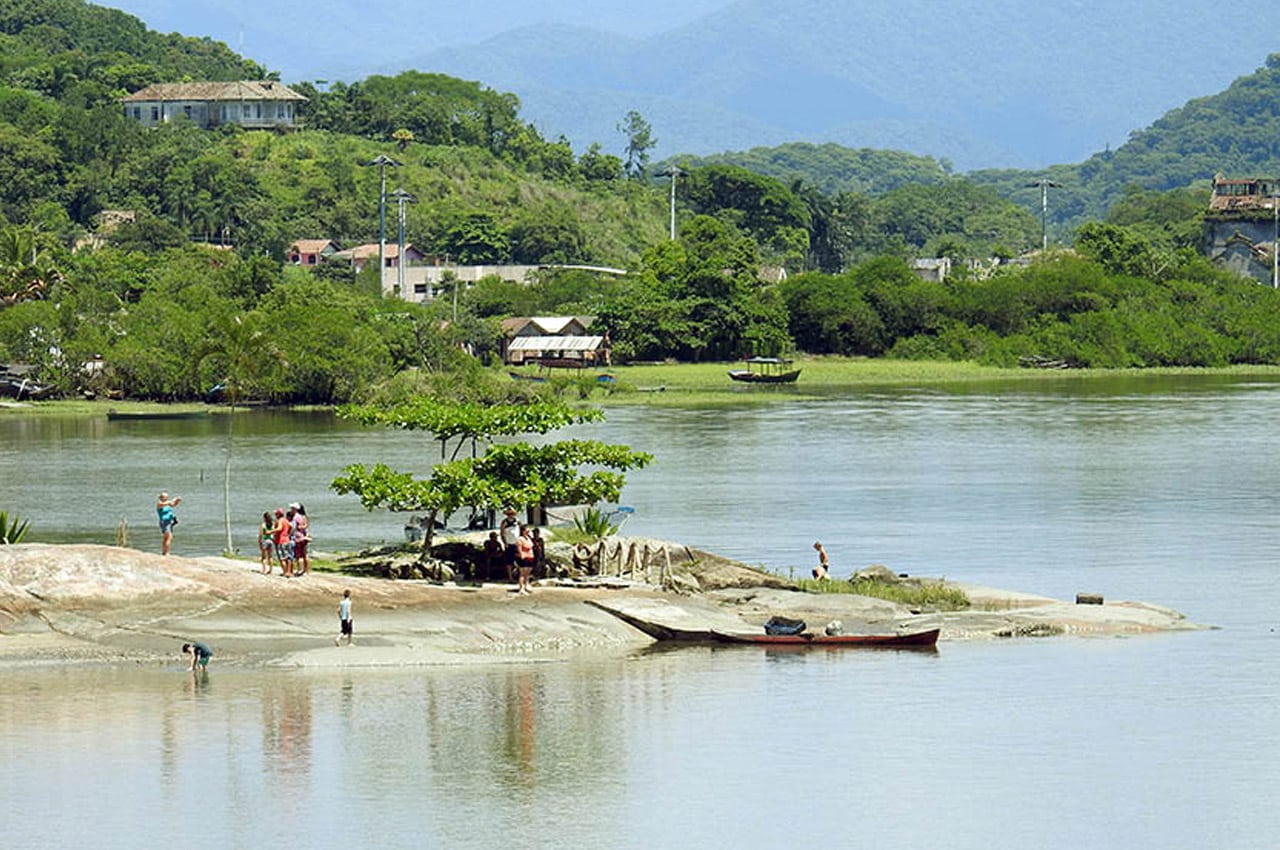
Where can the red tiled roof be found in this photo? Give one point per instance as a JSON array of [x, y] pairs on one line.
[[312, 246]]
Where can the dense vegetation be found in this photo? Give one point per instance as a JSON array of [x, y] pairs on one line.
[[213, 212]]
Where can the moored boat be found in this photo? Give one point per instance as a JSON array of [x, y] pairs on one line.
[[765, 370], [921, 639]]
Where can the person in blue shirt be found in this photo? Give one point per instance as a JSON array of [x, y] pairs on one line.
[[200, 654], [168, 519]]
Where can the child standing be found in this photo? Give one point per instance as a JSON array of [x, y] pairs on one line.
[[344, 619]]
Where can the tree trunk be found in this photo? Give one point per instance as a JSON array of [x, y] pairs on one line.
[[226, 480], [430, 530]]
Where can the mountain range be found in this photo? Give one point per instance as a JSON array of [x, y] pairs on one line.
[[978, 83]]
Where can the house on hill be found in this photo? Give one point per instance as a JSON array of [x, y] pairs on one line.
[[1242, 224], [261, 104], [360, 255], [311, 252]]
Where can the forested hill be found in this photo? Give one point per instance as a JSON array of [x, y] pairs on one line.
[[1236, 132], [54, 46], [498, 189]]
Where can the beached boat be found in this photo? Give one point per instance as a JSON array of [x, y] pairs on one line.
[[765, 370], [23, 389], [927, 638]]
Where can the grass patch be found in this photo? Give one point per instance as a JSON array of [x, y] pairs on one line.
[[915, 593], [708, 384]]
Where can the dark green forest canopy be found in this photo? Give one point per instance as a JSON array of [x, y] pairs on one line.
[[830, 167]]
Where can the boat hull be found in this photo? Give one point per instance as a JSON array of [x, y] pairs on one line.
[[927, 638], [747, 376]]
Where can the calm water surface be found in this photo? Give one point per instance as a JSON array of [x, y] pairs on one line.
[[1159, 489]]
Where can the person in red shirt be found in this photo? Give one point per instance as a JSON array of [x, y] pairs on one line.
[[524, 559], [284, 542]]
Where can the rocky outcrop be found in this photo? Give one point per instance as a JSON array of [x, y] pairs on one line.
[[63, 604]]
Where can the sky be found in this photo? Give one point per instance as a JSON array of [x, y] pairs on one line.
[[301, 38]]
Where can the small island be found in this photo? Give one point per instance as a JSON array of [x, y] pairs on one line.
[[86, 604]]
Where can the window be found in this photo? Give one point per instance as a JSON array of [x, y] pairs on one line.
[[155, 114]]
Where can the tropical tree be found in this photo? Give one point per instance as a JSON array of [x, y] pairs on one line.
[[241, 353], [469, 423], [25, 271], [508, 474], [640, 141]]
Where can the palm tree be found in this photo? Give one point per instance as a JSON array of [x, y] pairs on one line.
[[243, 354], [25, 271]]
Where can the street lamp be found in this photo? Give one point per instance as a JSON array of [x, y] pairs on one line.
[[1045, 184], [382, 161], [402, 198], [673, 171]]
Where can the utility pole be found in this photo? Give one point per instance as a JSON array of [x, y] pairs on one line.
[[1275, 241], [402, 198], [1045, 185], [673, 171], [382, 161]]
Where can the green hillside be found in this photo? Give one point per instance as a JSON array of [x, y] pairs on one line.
[[194, 274]]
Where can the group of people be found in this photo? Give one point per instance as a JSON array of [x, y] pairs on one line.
[[286, 536], [516, 548]]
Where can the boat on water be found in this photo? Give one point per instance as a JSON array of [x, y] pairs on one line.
[[765, 370], [118, 415], [919, 640]]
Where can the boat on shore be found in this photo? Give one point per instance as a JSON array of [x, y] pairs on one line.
[[765, 370], [16, 382], [926, 639]]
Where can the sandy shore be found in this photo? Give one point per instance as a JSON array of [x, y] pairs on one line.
[[100, 604]]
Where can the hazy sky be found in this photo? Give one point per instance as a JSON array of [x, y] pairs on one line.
[[299, 38]]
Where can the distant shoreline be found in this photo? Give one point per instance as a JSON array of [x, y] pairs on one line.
[[707, 383]]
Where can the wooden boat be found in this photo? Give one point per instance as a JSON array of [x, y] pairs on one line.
[[118, 415], [924, 639], [23, 389], [520, 376], [765, 370]]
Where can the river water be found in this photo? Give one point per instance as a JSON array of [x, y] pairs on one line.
[[1160, 489]]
